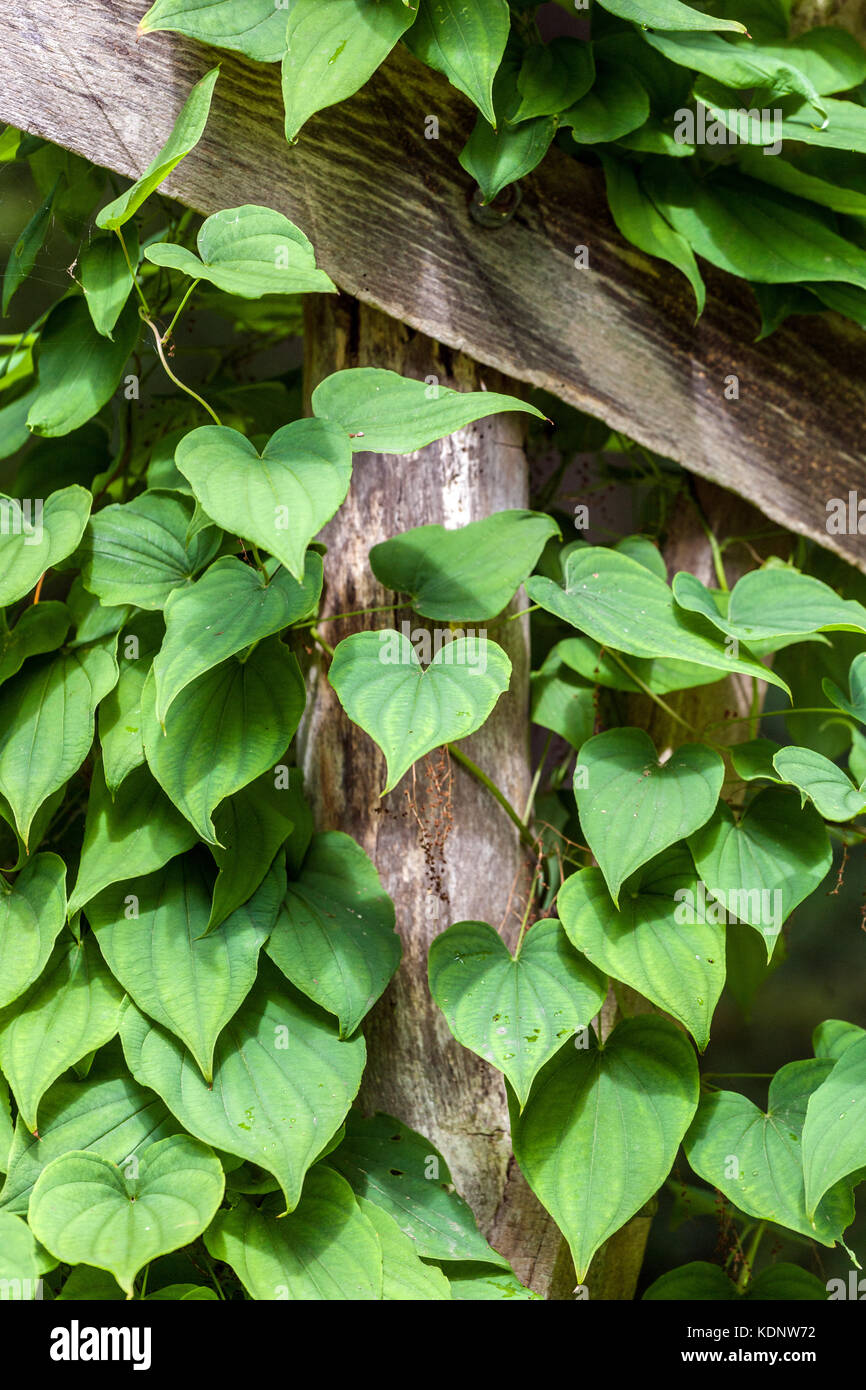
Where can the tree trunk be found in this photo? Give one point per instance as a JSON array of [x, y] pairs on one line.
[[444, 849]]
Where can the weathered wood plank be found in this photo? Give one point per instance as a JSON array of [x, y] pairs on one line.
[[387, 210]]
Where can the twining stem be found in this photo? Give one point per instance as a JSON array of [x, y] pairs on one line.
[[537, 778], [188, 389], [139, 291], [356, 613], [529, 901], [326, 646], [523, 612], [795, 709], [657, 699], [38, 586], [473, 768], [168, 332], [750, 1256]]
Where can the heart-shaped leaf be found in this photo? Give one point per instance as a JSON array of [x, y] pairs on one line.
[[254, 27], [279, 499], [135, 834], [282, 1080], [465, 42], [833, 1037], [405, 1175], [408, 711], [105, 270], [136, 552], [835, 796], [111, 1116], [247, 251], [335, 938], [472, 1281], [229, 608], [708, 1283], [79, 369], [632, 806], [657, 941], [753, 760], [385, 413], [468, 574], [20, 1260], [150, 932], [250, 826], [326, 1249], [185, 135], [621, 604], [248, 710], [86, 1210], [756, 1159], [515, 1012], [854, 703], [32, 912], [553, 76], [46, 725], [773, 602], [763, 865], [561, 701], [72, 1009], [602, 1128], [34, 538], [834, 1135]]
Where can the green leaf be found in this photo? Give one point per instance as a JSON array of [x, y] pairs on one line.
[[86, 1210], [603, 1126], [476, 1282], [32, 913], [335, 937], [229, 608], [120, 711], [247, 251], [279, 499], [19, 1260], [79, 369], [561, 702], [250, 826], [465, 40], [773, 602], [642, 224], [667, 14], [406, 1278], [834, 794], [514, 1011], [282, 1080], [497, 158], [753, 759], [854, 703], [756, 1159], [751, 230], [834, 1135], [247, 710], [150, 931], [831, 58], [763, 864], [615, 105], [597, 666], [632, 806], [136, 552], [468, 574], [833, 1037], [385, 413], [185, 135], [6, 1127], [553, 76], [46, 725], [136, 833], [658, 941], [618, 602], [106, 277], [739, 63], [327, 1249], [33, 539], [91, 1285], [407, 1177], [709, 1283], [334, 46], [41, 628], [406, 710], [254, 27], [110, 1116], [73, 1008], [22, 257]]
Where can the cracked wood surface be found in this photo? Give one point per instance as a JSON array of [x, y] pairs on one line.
[[388, 213]]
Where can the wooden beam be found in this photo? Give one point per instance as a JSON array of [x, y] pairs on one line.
[[388, 212]]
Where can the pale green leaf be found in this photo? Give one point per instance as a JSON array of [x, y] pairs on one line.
[[247, 251]]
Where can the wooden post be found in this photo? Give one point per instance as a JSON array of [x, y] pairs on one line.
[[444, 849]]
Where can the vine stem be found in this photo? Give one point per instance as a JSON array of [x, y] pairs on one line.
[[326, 646], [356, 613], [795, 709], [529, 901], [177, 381], [139, 291], [168, 332], [537, 778], [473, 768], [750, 1256], [657, 699]]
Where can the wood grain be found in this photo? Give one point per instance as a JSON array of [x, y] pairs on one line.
[[388, 212]]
